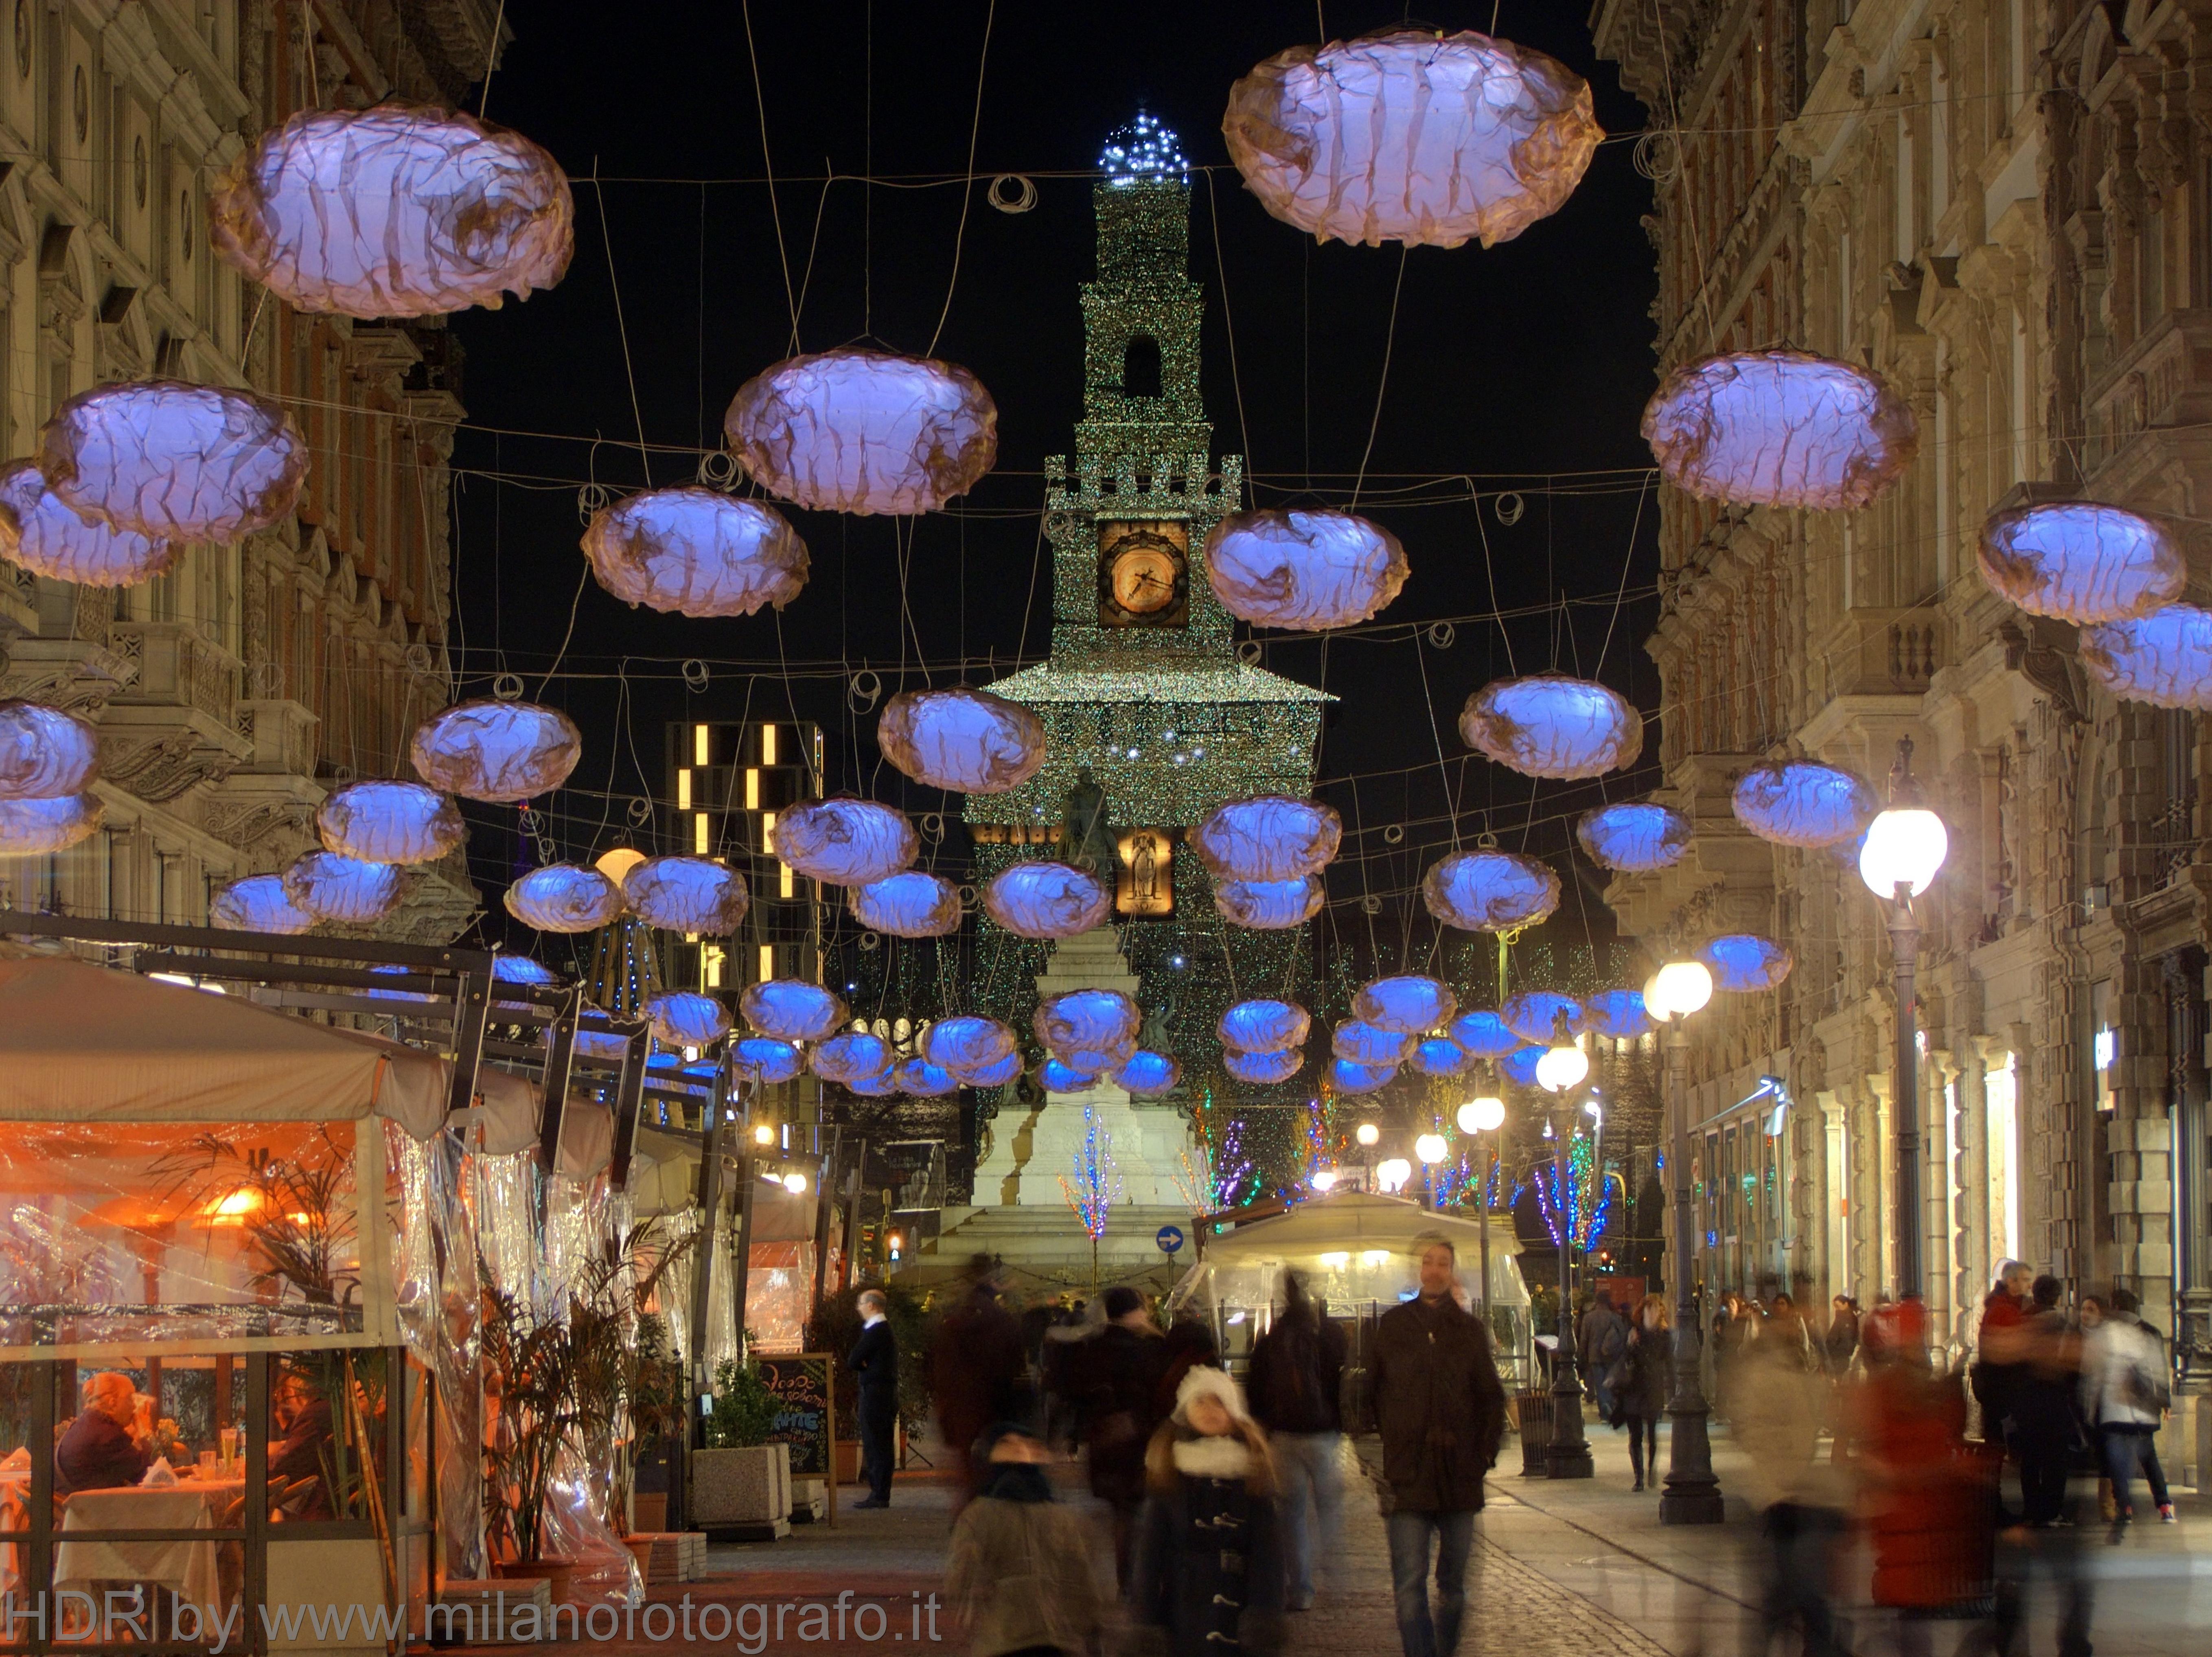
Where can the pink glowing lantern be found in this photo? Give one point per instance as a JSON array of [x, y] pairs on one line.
[[1549, 725], [1306, 570], [1263, 1069], [258, 903], [845, 842], [967, 1042], [2080, 561], [384, 822], [682, 1019], [1408, 1004], [332, 887], [1264, 1026], [1490, 891], [1363, 1044], [687, 894], [962, 741], [1802, 803], [1045, 900], [912, 903], [502, 753], [693, 551], [791, 1009], [47, 538], [2164, 658], [171, 462], [1412, 136], [1635, 838], [45, 753], [1269, 837], [863, 432], [855, 1056], [564, 897], [1780, 428], [1269, 905]]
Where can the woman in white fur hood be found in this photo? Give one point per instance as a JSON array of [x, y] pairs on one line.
[[1208, 1566]]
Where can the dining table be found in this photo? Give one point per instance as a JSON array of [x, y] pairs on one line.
[[186, 1567]]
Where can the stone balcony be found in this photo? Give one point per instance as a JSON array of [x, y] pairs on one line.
[[175, 725], [1884, 652], [2156, 392]]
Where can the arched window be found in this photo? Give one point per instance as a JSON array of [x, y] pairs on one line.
[[1140, 366]]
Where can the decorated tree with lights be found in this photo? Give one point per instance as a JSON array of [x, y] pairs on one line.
[[1095, 1187], [1576, 1207]]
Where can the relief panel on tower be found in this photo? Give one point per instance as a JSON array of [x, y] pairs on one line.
[[1144, 573], [1144, 887]]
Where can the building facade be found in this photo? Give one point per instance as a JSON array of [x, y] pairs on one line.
[[233, 692], [2002, 208]]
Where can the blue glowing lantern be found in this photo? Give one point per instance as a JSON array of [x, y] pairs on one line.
[[1263, 1069], [967, 1042], [917, 1078], [2080, 561], [1353, 1077], [1408, 1004], [520, 969], [682, 1019], [1307, 570], [1534, 1016], [1268, 905], [344, 889], [1147, 1074], [394, 994], [995, 1075], [767, 1061], [1264, 1026], [1617, 1014], [45, 753], [1634, 838], [1044, 900], [1269, 837], [1490, 891], [961, 741], [1802, 803], [854, 1055], [791, 1009], [1519, 1066], [381, 821], [2164, 659], [845, 842], [258, 903], [564, 897], [1550, 725], [601, 1045], [1780, 428], [695, 552], [912, 903], [1484, 1035], [687, 894], [1060, 1078], [882, 1084], [1746, 964], [1081, 1020], [1363, 1044], [1440, 1055], [502, 753]]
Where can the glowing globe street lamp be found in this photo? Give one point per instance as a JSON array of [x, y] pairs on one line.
[[1563, 1066], [1429, 1149], [1393, 1175], [1903, 852], [1369, 1136], [1693, 1495], [1486, 1115]]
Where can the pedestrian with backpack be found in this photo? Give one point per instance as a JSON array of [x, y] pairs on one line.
[[2125, 1393], [1298, 1368]]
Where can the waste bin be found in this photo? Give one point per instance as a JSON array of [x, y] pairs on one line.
[[1533, 1408]]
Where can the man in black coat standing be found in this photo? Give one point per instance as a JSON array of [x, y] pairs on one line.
[[1440, 1411], [875, 1360]]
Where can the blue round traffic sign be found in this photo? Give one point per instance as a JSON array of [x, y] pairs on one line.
[[1169, 1240]]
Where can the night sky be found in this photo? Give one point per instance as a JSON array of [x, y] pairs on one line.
[[1520, 367]]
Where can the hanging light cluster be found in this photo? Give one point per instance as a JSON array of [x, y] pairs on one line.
[[1091, 1032], [982, 1052], [48, 760], [1550, 725], [694, 552], [1780, 428], [1305, 570], [961, 741], [1262, 1041]]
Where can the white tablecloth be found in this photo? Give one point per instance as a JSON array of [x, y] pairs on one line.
[[189, 1567]]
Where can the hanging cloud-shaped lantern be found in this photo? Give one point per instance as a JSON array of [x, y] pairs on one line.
[[791, 1009], [45, 753], [967, 1042], [1263, 1069], [1534, 1014], [1439, 1056], [854, 1055], [1353, 1077], [1410, 136], [1045, 900], [1408, 1004], [1490, 891], [30, 828], [1060, 1078], [564, 897], [863, 432], [992, 1076], [383, 822], [687, 894], [1634, 838], [1619, 1013], [2080, 561], [1264, 1026], [258, 903], [1549, 725], [767, 1061], [1084, 1021], [1802, 803], [1483, 1034], [1363, 1044], [1269, 837], [45, 538], [501, 752], [1519, 1066], [331, 888], [398, 210], [2164, 658], [395, 970], [1746, 964], [173, 462], [685, 1020], [882, 1085], [1780, 428], [845, 842], [694, 552], [1269, 905], [912, 903], [1147, 1075], [508, 968], [962, 741], [918, 1078], [1305, 570]]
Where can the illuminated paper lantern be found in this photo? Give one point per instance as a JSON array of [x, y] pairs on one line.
[[1483, 1034], [1746, 964], [1802, 803], [45, 753], [1082, 1020], [863, 432], [1439, 1056], [694, 552], [882, 1085], [912, 903], [685, 1020], [1619, 1013], [1060, 1078], [1353, 1077], [767, 1061], [332, 887], [393, 995], [502, 753], [1490, 891], [1264, 1069], [1549, 725], [1408, 1004], [967, 1042], [1269, 905], [598, 1045], [175, 462], [47, 538], [992, 1076], [1146, 1075], [397, 210], [2080, 561], [845, 842], [1634, 838], [520, 969], [1411, 136], [257, 903], [791, 1009], [918, 1078], [564, 897], [1043, 900], [1779, 427], [1269, 837], [1306, 570], [30, 828], [1519, 1066], [962, 741], [1535, 1015], [1264, 1026], [383, 822], [687, 894], [854, 1055], [1363, 1044], [2164, 658]]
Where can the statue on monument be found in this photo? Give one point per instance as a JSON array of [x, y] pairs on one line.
[[1086, 833]]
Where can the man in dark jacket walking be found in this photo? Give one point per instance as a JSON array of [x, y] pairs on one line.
[[875, 1360], [1440, 1410], [1298, 1368], [976, 1363], [1123, 1367]]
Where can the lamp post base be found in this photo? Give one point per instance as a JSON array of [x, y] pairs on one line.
[[1568, 1455], [1693, 1495]]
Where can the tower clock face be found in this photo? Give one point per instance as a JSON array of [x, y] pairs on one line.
[[1143, 575]]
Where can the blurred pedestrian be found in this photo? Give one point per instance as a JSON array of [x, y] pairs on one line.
[[1440, 1411], [2044, 1409], [874, 1359], [1643, 1396], [1123, 1370], [1841, 1343], [1296, 1374], [1207, 1569], [1187, 1344], [1999, 1343], [2125, 1393], [975, 1367], [1063, 1369], [1601, 1350], [1734, 1324], [1018, 1572], [1781, 1405]]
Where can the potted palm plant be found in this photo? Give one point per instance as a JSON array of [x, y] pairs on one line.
[[653, 1397], [529, 1385]]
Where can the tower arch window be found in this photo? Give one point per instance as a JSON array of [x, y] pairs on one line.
[[1140, 366]]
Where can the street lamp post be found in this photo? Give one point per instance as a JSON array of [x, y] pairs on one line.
[[1564, 1066], [1477, 1117], [1905, 848], [1430, 1147], [1693, 1495]]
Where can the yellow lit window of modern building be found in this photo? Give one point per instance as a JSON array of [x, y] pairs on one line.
[[767, 962], [684, 790], [767, 830], [699, 749], [767, 744], [752, 790], [786, 884], [700, 843], [713, 958]]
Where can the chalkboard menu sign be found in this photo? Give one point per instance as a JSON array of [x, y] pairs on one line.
[[801, 1382]]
